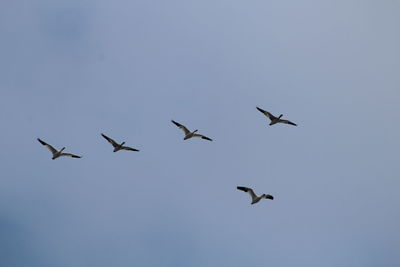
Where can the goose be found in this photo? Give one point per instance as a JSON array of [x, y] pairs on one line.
[[189, 134], [56, 153], [275, 120], [118, 147], [254, 197]]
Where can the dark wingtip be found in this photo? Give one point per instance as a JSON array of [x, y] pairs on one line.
[[176, 123], [242, 188], [260, 109], [40, 141]]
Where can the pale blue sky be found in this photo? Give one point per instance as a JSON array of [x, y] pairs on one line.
[[70, 70]]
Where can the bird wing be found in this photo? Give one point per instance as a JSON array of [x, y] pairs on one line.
[[247, 190], [111, 141], [269, 197], [287, 122], [70, 155], [181, 127], [202, 137], [49, 147], [266, 113], [129, 148]]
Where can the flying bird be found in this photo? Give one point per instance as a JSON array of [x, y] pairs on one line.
[[275, 120], [56, 153], [189, 134], [254, 197], [118, 147]]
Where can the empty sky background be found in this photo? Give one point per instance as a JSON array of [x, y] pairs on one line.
[[72, 69]]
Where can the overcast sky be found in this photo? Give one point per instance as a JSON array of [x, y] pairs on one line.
[[72, 69]]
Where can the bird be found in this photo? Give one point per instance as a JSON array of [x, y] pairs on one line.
[[56, 153], [254, 197], [189, 134], [118, 147], [275, 120]]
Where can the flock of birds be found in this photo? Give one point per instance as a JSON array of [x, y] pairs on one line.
[[188, 134]]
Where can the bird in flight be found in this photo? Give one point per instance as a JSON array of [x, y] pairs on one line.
[[275, 120], [56, 153], [254, 197], [118, 147], [189, 134]]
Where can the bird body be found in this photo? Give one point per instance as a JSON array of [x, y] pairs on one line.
[[57, 153], [118, 147], [275, 120], [254, 198], [189, 134]]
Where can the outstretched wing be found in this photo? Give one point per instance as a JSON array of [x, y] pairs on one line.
[[202, 137], [49, 147], [129, 148], [268, 197], [111, 141], [70, 155], [247, 190], [266, 113], [184, 129], [287, 122]]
